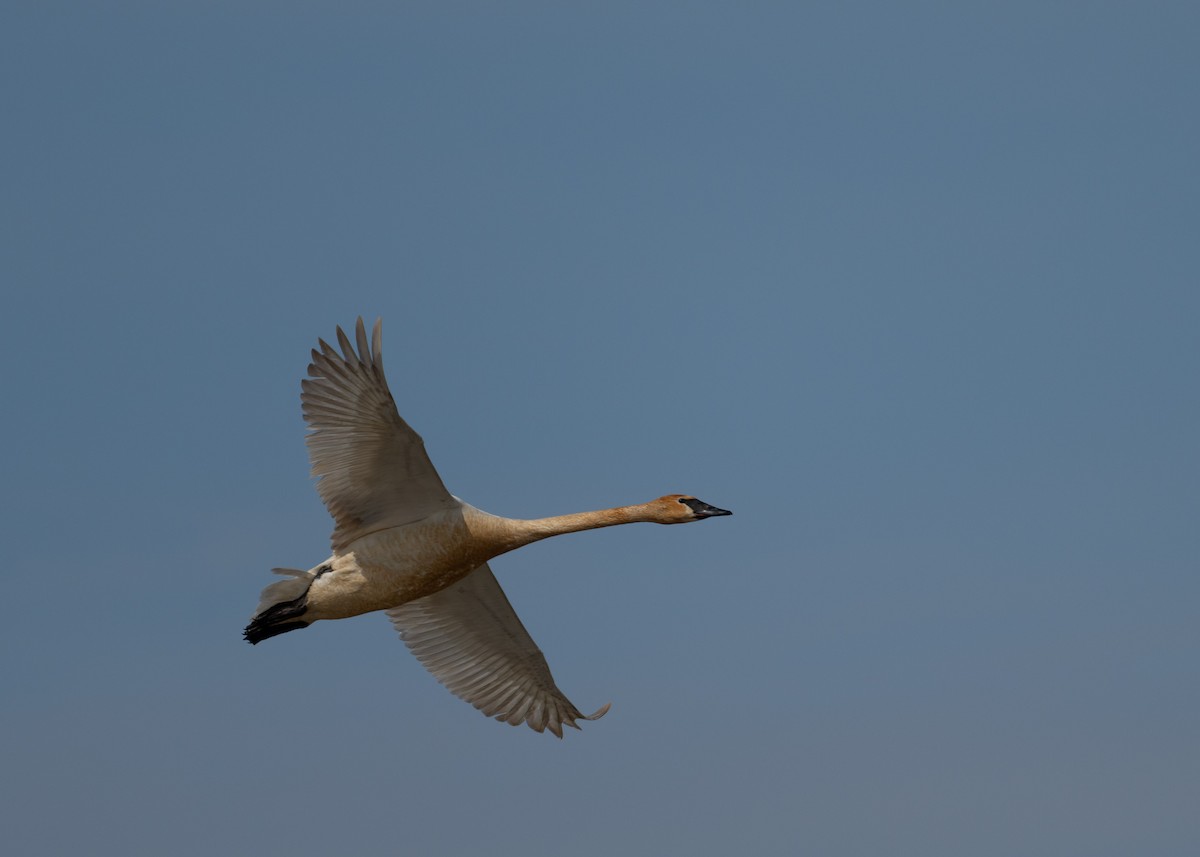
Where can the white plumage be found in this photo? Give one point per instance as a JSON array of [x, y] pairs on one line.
[[403, 544]]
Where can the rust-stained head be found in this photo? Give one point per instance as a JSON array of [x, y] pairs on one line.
[[681, 509]]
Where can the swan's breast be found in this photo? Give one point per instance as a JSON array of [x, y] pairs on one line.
[[391, 567]]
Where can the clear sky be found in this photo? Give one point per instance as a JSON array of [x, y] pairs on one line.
[[911, 288]]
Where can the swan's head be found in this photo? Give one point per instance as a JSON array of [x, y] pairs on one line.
[[683, 508]]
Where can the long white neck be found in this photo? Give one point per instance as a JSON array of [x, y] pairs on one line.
[[541, 528], [511, 533]]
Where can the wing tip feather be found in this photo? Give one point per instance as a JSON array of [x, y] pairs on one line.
[[598, 713]]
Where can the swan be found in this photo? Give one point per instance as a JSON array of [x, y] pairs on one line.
[[404, 545]]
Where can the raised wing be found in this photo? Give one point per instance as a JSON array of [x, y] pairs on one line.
[[470, 638], [372, 469]]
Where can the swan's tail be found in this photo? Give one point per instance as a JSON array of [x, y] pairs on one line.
[[281, 606]]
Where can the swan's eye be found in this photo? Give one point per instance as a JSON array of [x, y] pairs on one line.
[[683, 500]]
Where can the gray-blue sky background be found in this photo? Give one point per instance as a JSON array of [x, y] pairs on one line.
[[912, 288]]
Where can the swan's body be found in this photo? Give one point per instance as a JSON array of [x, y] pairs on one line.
[[403, 544]]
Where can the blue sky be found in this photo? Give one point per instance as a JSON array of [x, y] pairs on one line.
[[910, 288]]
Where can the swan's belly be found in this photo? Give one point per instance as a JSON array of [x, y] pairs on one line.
[[392, 567]]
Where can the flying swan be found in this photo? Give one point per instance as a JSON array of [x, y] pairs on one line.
[[403, 544]]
